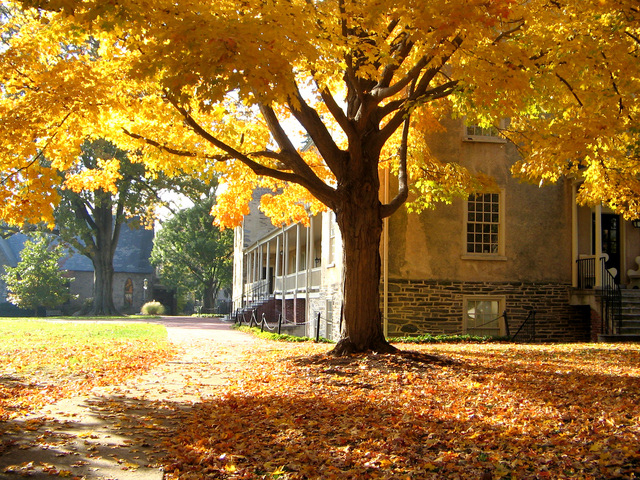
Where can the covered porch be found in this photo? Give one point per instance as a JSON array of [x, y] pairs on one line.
[[283, 268]]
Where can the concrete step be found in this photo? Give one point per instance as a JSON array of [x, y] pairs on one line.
[[627, 338]]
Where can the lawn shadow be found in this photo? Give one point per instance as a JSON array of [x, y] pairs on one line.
[[89, 437]]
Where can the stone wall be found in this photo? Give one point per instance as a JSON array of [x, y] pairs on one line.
[[327, 303], [82, 288], [419, 307]]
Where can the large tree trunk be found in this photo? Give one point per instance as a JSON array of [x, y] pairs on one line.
[[102, 258], [103, 285], [360, 221], [209, 296]]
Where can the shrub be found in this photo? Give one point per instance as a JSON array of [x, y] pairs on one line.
[[153, 308]]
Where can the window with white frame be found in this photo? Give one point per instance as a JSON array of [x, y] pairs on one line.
[[332, 240], [483, 316], [478, 131], [483, 224]]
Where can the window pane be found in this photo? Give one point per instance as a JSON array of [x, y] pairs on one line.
[[483, 216], [482, 317]]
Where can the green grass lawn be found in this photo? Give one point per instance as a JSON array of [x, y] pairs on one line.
[[33, 328]]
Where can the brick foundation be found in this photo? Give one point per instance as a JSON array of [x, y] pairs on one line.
[[273, 309], [596, 325], [418, 307]]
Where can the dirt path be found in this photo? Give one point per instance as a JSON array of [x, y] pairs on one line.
[[117, 433]]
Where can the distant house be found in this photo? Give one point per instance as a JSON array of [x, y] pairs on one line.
[[528, 251], [131, 265]]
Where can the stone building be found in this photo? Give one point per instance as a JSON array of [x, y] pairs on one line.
[[520, 251], [131, 265]]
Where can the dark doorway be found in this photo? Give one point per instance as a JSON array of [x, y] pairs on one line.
[[610, 241], [167, 297]]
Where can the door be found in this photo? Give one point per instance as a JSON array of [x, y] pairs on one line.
[[611, 242]]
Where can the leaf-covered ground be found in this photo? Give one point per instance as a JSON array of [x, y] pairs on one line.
[[463, 411], [42, 362], [289, 411]]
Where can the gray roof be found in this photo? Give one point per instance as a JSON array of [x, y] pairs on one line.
[[11, 248], [132, 253]]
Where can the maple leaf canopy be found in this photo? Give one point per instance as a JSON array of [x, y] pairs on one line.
[[221, 89], [211, 90]]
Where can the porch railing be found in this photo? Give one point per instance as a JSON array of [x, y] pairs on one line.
[[611, 302], [586, 272]]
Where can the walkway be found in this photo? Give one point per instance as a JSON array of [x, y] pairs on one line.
[[118, 433]]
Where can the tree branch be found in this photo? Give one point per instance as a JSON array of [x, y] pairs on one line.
[[40, 154], [171, 150], [305, 175], [83, 214], [386, 92], [316, 128], [568, 85], [337, 112], [392, 125], [633, 37], [256, 167], [302, 173], [403, 48], [508, 33]]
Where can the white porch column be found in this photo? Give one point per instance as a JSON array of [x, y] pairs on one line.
[[278, 261], [249, 267], [307, 274], [598, 252], [255, 265], [574, 236], [285, 270], [268, 264], [245, 270], [261, 262], [297, 270]]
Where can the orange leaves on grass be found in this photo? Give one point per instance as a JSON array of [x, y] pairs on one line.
[[35, 375], [450, 411]]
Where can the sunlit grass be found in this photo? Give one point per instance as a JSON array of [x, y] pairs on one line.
[[42, 361]]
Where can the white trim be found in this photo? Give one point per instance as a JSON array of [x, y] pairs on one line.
[[500, 254], [501, 299], [482, 138]]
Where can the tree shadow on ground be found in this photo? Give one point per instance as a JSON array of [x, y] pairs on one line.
[[414, 415], [97, 437]]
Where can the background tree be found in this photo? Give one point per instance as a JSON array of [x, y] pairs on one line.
[[218, 85], [37, 281], [90, 220], [193, 254]]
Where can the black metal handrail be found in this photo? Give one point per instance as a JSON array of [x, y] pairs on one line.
[[586, 272], [611, 302], [526, 333], [259, 292]]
